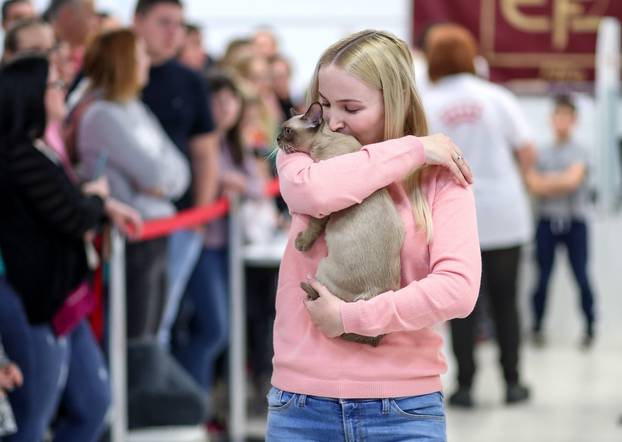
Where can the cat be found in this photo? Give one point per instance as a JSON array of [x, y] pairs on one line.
[[364, 240]]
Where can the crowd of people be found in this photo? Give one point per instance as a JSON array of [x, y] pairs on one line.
[[106, 125], [103, 125]]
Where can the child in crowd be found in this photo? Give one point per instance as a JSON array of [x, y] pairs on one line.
[[558, 179]]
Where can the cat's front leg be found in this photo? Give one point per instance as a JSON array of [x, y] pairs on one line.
[[306, 238]]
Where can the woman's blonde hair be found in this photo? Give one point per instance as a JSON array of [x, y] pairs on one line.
[[111, 64], [384, 62]]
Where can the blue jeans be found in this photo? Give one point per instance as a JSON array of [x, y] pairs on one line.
[[68, 370], [303, 418], [39, 356], [208, 334], [86, 393], [572, 234], [184, 248]]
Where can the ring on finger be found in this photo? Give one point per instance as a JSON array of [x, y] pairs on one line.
[[458, 157]]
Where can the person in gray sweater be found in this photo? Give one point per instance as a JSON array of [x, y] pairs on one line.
[[119, 136]]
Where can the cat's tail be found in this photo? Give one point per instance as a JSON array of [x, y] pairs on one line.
[[312, 294]]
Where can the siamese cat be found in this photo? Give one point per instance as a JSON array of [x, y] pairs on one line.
[[364, 240]]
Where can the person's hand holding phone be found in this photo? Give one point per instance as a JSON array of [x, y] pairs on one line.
[[97, 187]]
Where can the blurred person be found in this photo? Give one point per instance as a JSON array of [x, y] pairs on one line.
[[192, 53], [107, 22], [144, 168], [35, 36], [255, 72], [281, 74], [265, 43], [236, 49], [31, 35], [485, 120], [558, 179], [208, 287], [16, 10], [74, 21], [324, 385], [44, 220], [177, 97]]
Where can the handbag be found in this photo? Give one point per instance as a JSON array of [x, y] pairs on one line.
[[79, 304]]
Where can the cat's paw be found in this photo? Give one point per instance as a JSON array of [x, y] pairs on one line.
[[303, 242]]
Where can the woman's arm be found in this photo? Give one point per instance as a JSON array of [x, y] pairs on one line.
[[551, 184], [162, 171], [319, 189], [449, 291], [51, 193]]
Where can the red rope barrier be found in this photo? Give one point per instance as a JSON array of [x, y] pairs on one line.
[[196, 216]]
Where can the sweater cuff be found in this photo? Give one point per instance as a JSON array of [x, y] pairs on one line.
[[350, 316], [418, 152]]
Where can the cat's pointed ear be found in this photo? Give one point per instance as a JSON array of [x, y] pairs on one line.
[[314, 114]]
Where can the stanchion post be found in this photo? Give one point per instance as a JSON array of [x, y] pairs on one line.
[[117, 338], [237, 347]]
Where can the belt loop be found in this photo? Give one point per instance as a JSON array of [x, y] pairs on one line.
[[386, 405], [279, 395], [302, 400]]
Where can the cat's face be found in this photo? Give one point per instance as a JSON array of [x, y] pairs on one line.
[[297, 133]]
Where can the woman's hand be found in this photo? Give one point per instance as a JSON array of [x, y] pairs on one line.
[[124, 217], [324, 311], [10, 377], [440, 150], [234, 183], [97, 187]]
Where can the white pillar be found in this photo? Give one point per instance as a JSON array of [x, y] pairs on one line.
[[607, 89], [117, 338], [237, 347]]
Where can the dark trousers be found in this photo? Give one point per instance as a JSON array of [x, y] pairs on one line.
[[145, 267], [208, 334], [499, 274], [572, 234]]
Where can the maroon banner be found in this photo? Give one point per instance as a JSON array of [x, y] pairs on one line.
[[553, 40]]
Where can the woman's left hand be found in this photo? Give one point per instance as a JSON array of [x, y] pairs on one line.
[[325, 311]]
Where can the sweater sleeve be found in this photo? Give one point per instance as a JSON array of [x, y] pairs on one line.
[[53, 195], [319, 189], [146, 156], [450, 289]]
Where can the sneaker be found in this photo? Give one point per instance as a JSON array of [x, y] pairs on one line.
[[461, 398], [516, 393], [538, 339], [587, 342]]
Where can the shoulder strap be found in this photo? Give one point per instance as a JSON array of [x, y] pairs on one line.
[[72, 123]]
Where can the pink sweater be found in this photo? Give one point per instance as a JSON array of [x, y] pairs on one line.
[[440, 281]]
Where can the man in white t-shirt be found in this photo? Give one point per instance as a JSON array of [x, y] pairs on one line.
[[486, 122]]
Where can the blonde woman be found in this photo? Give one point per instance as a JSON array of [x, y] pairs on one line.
[[326, 388]]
